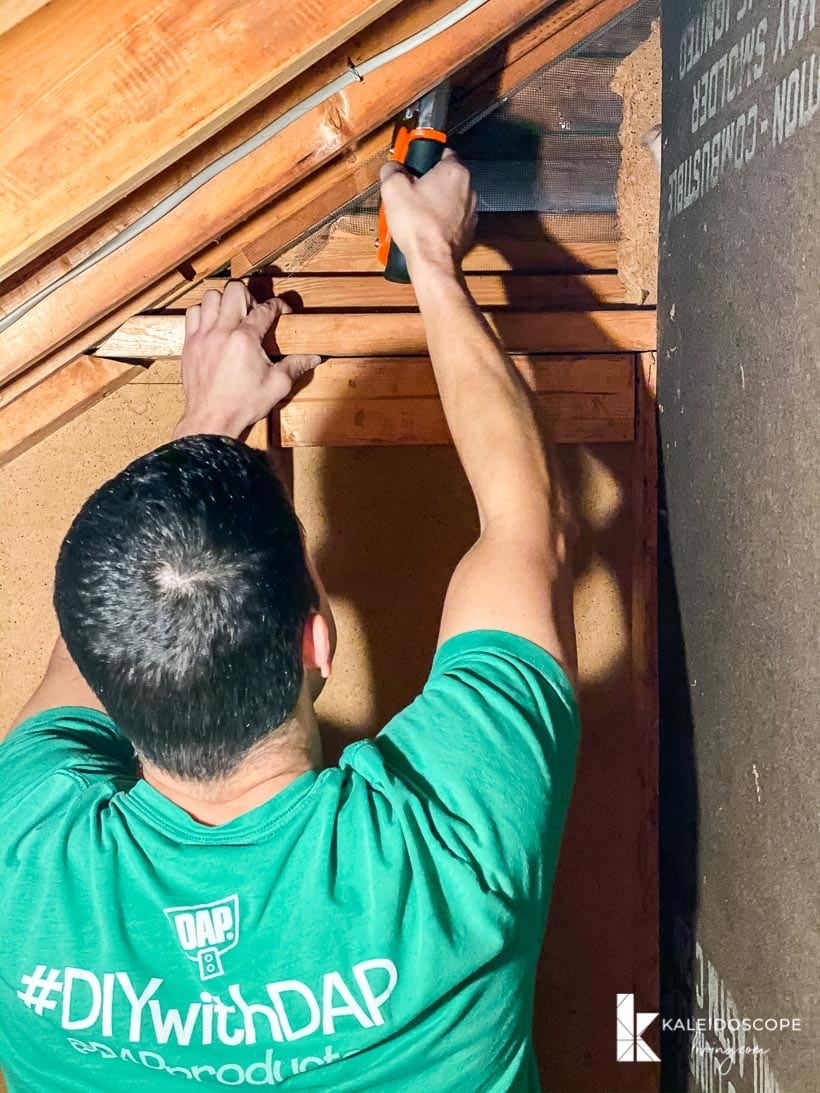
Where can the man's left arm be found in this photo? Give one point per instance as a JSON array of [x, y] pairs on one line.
[[230, 383]]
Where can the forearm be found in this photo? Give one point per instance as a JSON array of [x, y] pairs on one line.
[[489, 409], [61, 685]]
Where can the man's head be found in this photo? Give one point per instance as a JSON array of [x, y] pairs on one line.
[[185, 597]]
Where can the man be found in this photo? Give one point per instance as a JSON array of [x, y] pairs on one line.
[[187, 896]]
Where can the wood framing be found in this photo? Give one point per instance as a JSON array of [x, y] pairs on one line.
[[311, 140], [327, 157], [364, 292], [505, 242], [141, 82], [645, 663], [366, 401], [38, 413], [146, 337]]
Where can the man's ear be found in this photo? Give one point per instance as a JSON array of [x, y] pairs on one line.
[[316, 645]]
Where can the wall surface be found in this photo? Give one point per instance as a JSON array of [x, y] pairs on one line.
[[386, 527], [739, 308]]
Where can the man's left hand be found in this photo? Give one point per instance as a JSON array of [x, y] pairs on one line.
[[229, 380]]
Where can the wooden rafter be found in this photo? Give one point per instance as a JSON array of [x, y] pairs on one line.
[[287, 160], [84, 317], [141, 82]]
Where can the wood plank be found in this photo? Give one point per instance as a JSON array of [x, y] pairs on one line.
[[236, 194], [13, 12], [146, 337], [343, 253], [646, 693], [422, 421], [297, 212], [130, 88], [43, 410], [358, 378], [575, 241], [368, 291]]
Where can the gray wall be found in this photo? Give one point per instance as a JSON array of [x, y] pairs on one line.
[[738, 412]]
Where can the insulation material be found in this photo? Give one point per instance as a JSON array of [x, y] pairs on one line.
[[638, 82]]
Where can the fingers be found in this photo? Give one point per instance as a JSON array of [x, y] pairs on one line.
[[209, 309], [235, 304], [297, 364], [262, 317], [285, 373], [193, 317], [391, 169], [394, 181]]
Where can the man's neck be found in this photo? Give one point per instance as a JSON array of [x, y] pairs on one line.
[[292, 750]]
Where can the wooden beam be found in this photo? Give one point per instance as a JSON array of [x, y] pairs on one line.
[[130, 88], [355, 378], [369, 291], [346, 252], [146, 337], [40, 412], [365, 401], [210, 213], [421, 421]]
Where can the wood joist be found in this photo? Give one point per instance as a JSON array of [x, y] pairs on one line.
[[262, 203]]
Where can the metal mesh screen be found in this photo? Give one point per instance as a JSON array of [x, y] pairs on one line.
[[551, 147]]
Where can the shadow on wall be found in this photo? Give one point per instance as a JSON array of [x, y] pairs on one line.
[[387, 526], [678, 818]]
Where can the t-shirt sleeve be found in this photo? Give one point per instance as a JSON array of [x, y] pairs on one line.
[[491, 746], [80, 744]]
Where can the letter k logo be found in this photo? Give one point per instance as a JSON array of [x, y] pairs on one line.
[[630, 1047]]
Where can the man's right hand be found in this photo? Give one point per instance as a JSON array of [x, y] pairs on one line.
[[432, 218]]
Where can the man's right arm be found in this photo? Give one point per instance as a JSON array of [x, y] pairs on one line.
[[516, 577]]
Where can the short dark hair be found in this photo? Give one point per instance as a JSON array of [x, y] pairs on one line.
[[182, 591]]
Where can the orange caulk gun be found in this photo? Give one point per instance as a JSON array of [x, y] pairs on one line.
[[418, 145]]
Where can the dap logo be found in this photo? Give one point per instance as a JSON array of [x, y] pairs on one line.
[[206, 931], [630, 1045]]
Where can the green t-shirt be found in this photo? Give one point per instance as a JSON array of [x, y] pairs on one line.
[[374, 926]]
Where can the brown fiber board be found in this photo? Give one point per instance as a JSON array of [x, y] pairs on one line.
[[638, 82]]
